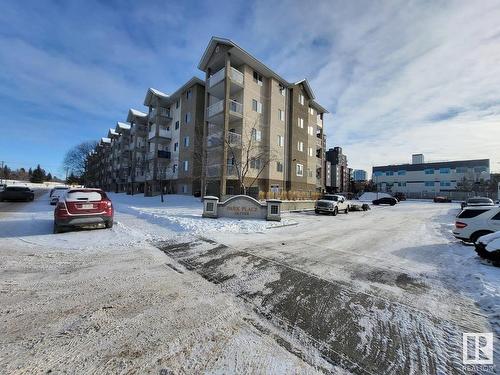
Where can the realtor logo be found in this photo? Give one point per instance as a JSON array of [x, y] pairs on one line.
[[477, 348]]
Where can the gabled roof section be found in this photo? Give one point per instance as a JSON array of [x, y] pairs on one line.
[[154, 93], [134, 114], [112, 133], [239, 52], [319, 108], [121, 126], [304, 82], [105, 140]]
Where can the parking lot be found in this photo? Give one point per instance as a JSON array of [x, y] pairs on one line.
[[383, 291]]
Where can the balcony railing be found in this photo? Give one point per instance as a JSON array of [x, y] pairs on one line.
[[215, 108], [160, 111], [234, 74], [234, 106], [161, 154], [164, 154], [213, 170], [234, 139], [231, 170]]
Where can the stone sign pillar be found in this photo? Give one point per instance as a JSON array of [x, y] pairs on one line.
[[273, 210], [210, 206]]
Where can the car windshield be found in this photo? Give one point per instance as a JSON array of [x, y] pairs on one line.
[[330, 198], [480, 200]]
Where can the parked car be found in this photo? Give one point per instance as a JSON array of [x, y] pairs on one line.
[[442, 199], [2, 187], [385, 200], [17, 193], [83, 207], [477, 201], [56, 193], [331, 204], [488, 247], [400, 196], [474, 222]]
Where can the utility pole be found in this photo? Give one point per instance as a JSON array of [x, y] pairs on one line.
[[1, 173]]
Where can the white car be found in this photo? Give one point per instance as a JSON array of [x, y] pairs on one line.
[[474, 222], [57, 193], [331, 204]]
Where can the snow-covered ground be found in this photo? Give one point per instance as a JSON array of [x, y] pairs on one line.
[[384, 291]]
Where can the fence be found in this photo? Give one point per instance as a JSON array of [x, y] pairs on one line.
[[453, 195]]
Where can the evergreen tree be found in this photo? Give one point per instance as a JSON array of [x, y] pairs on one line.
[[38, 175], [49, 177], [30, 172]]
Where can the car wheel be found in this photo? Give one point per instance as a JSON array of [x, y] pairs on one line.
[[347, 210], [475, 236], [316, 211], [109, 224], [57, 228], [335, 211]]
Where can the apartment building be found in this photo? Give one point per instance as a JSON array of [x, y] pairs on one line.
[[173, 146], [200, 138], [340, 173], [259, 128], [434, 177], [359, 175]]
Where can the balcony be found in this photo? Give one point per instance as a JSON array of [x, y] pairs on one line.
[[215, 113], [216, 82], [213, 170], [163, 134], [160, 154], [319, 143], [215, 140], [232, 171]]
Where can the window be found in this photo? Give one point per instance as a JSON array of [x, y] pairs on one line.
[[256, 106], [310, 130], [429, 183], [469, 214], [461, 170], [281, 115], [445, 183], [401, 173], [310, 151], [429, 171], [177, 104], [184, 189], [188, 118], [176, 146], [186, 141], [255, 163], [300, 146], [444, 170], [257, 78], [174, 168], [279, 166], [496, 217], [479, 169], [281, 140], [311, 111], [256, 135], [301, 99], [176, 125], [282, 90], [274, 209], [309, 172], [301, 123], [299, 170], [389, 173], [378, 173], [189, 94], [185, 164], [401, 184]]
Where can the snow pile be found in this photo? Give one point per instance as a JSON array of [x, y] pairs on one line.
[[368, 197], [181, 213], [492, 241]]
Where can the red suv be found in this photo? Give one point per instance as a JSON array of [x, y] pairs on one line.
[[83, 207]]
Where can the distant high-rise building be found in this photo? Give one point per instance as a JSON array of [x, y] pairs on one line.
[[417, 159], [359, 175], [340, 174]]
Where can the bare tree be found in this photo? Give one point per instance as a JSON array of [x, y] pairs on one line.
[[249, 156], [76, 159]]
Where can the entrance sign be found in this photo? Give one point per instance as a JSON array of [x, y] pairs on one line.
[[242, 207]]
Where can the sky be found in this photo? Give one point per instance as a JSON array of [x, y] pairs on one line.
[[398, 77]]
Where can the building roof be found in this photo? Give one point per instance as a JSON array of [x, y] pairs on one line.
[[105, 140], [135, 112], [121, 126], [434, 165], [112, 133], [166, 99], [243, 55]]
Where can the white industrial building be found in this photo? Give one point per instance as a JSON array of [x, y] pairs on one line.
[[434, 177]]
